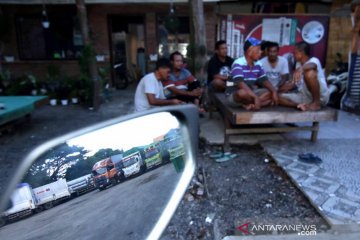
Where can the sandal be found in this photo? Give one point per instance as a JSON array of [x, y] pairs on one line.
[[227, 157], [309, 158]]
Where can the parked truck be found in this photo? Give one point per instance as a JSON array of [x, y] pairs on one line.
[[132, 164], [23, 203], [80, 185], [51, 194], [153, 155], [105, 173]]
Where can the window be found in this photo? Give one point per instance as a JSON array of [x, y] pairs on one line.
[[62, 40], [171, 40]]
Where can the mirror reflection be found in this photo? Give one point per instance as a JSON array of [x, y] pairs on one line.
[[112, 183]]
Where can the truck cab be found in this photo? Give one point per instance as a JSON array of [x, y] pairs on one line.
[[105, 174], [152, 156], [132, 164]]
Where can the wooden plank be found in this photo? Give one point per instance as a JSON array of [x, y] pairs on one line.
[[267, 130], [277, 114]]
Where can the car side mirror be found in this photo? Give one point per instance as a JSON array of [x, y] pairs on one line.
[[120, 179]]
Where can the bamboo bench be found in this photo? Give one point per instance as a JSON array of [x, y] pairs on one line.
[[275, 119]]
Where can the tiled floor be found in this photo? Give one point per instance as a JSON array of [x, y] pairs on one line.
[[332, 186]]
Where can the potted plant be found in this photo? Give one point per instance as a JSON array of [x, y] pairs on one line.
[[52, 97], [64, 90], [74, 95]]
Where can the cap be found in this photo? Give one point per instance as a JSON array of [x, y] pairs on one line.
[[251, 41]]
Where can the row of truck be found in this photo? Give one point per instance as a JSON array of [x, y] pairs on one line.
[[26, 200], [106, 172]]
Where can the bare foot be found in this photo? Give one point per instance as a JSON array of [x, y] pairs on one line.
[[249, 106], [309, 107], [313, 106], [302, 106]]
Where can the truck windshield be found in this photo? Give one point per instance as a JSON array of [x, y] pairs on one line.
[[130, 161], [151, 152], [99, 171]]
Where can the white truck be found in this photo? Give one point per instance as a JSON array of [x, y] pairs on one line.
[[50, 194], [132, 164], [81, 185], [23, 202]]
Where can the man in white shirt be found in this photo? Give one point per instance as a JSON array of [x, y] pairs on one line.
[[150, 92], [276, 68], [310, 79]]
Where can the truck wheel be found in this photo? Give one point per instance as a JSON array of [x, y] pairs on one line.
[[38, 209], [48, 205], [143, 168], [113, 181], [101, 188], [2, 221]]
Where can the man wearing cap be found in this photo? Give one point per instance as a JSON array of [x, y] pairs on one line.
[[249, 78]]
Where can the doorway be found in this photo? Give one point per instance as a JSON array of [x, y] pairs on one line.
[[127, 44]]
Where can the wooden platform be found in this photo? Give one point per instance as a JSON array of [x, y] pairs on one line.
[[275, 119]]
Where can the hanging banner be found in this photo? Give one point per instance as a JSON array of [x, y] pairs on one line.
[[285, 30]]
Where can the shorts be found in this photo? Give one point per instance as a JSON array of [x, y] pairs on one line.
[[233, 103]]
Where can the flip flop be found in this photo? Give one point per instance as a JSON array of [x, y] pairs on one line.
[[309, 158], [227, 157], [216, 155]]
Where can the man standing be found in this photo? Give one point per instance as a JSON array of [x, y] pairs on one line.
[[182, 84], [276, 68], [219, 66], [310, 79], [247, 74], [150, 91]]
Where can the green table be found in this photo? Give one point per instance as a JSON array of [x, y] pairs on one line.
[[17, 107]]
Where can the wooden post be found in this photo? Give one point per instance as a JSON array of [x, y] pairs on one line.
[[198, 35], [93, 72]]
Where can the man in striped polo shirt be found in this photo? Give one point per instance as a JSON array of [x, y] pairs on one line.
[[251, 89]]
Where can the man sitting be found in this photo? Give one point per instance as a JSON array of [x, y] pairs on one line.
[[276, 68], [182, 84], [219, 67], [310, 79], [247, 73], [150, 92]]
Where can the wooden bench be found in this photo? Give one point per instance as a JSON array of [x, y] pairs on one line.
[[275, 119]]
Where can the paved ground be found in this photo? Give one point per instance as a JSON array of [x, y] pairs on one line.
[[333, 187]]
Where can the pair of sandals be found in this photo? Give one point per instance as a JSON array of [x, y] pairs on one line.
[[222, 156], [309, 158]]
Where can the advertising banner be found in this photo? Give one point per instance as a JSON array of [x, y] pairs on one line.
[[285, 30]]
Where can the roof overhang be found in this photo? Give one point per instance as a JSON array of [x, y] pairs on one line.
[[30, 2]]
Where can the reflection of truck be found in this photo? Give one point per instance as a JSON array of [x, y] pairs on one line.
[[174, 146], [52, 193], [105, 173], [133, 164], [23, 203], [81, 185], [153, 156]]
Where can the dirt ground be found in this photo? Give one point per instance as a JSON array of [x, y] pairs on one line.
[[248, 189]]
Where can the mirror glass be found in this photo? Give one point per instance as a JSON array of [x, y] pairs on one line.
[[111, 183]]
